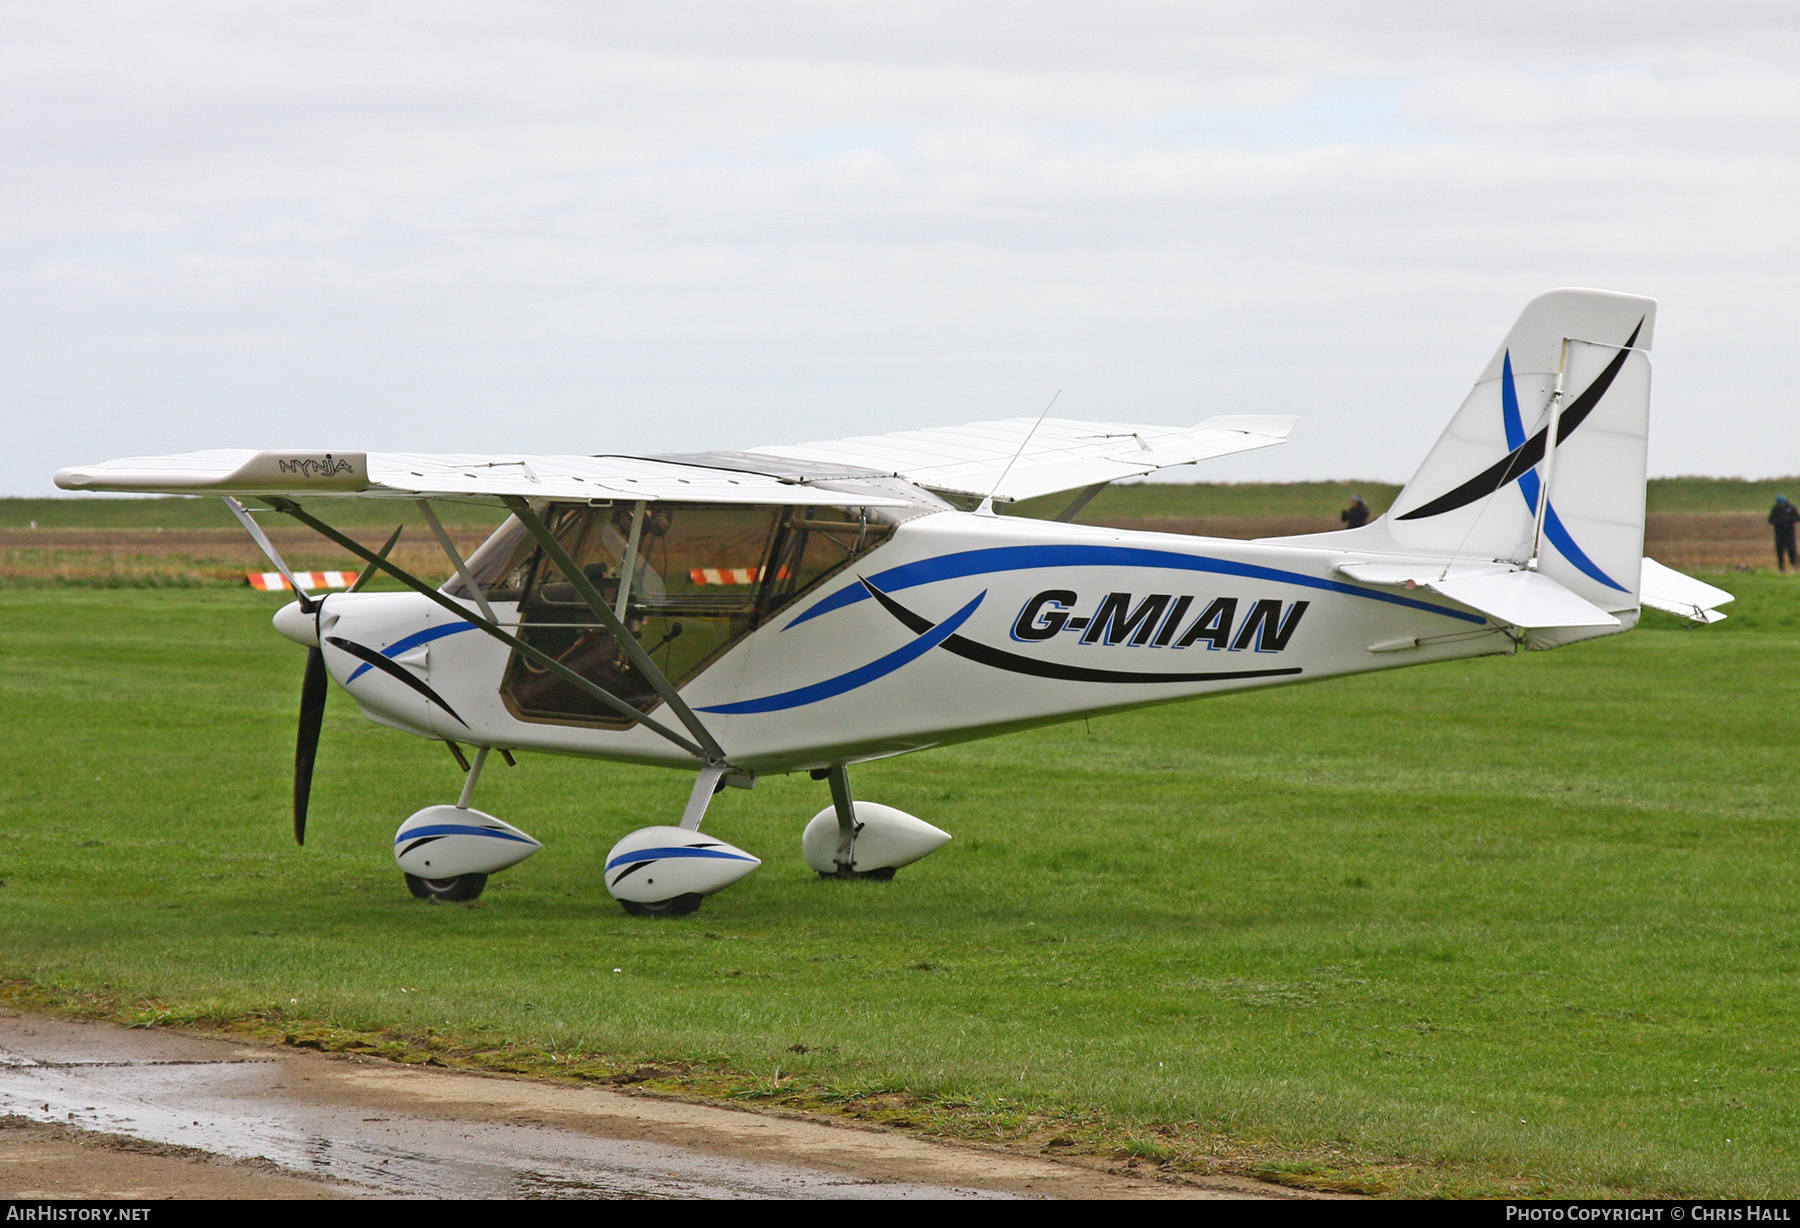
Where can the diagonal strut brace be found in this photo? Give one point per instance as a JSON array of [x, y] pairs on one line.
[[289, 507], [633, 650]]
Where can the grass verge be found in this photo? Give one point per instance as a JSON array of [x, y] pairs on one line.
[[1504, 927]]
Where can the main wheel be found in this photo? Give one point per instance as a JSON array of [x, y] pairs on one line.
[[450, 890], [882, 875], [680, 906]]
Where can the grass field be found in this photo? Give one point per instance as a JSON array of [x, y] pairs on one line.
[[1512, 926], [195, 543], [1695, 524]]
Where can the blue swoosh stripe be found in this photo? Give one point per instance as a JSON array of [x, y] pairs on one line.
[[877, 668], [1025, 558], [458, 829], [1559, 537], [1554, 528], [1509, 408], [625, 859], [411, 641]]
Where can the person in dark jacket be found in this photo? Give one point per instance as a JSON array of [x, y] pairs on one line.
[[1357, 514], [1784, 516]]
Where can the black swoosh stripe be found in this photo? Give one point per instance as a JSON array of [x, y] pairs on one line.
[[1523, 458], [633, 868], [981, 654], [394, 671]]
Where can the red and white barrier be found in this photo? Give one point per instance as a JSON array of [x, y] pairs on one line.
[[275, 582], [731, 575], [725, 575]]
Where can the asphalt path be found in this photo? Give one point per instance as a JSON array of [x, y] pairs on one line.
[[95, 1111]]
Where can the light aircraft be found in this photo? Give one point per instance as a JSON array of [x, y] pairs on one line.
[[810, 607]]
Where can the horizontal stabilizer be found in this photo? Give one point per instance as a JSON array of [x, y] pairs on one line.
[[1420, 574], [1666, 589], [1524, 599]]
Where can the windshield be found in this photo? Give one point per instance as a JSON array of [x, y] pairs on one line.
[[701, 577]]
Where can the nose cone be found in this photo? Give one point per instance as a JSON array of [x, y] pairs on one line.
[[297, 625]]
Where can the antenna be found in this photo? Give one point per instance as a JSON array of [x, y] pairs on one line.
[[987, 504]]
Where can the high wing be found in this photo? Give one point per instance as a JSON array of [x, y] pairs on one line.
[[413, 475], [1063, 454]]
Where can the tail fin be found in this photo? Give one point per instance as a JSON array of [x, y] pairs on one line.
[[1579, 358]]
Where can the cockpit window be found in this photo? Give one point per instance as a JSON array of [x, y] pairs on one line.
[[702, 576]]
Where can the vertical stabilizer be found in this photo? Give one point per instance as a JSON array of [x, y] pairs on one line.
[[1578, 361]]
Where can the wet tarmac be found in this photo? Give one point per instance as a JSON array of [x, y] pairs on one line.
[[373, 1128]]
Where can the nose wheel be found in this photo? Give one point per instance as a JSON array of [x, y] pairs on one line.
[[450, 890], [447, 852]]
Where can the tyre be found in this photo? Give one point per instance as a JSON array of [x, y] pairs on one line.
[[450, 890], [680, 906], [883, 875]]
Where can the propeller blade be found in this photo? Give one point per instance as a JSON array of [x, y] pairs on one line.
[[306, 749], [313, 689]]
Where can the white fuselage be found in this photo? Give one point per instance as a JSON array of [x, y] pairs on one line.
[[990, 624]]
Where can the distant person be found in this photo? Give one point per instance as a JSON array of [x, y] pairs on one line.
[[1357, 515], [1784, 516]]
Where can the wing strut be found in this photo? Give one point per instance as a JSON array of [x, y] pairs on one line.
[[289, 507], [308, 603], [456, 561], [634, 651], [1080, 501]]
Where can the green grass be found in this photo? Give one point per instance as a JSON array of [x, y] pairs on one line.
[[1718, 494], [1517, 925]]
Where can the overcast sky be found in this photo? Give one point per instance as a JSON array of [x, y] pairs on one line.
[[588, 227]]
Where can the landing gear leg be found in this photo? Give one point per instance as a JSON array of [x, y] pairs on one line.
[[845, 805], [711, 780], [848, 829], [468, 792]]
